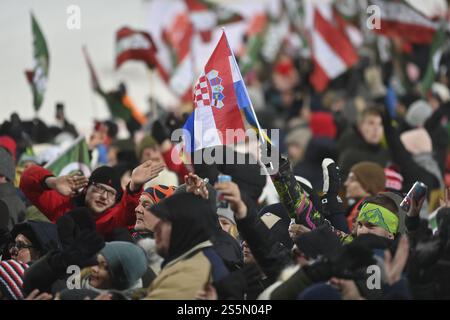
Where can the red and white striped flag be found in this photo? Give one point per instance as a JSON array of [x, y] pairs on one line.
[[137, 45], [331, 49], [400, 20]]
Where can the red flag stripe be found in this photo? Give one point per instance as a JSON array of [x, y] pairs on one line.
[[319, 79], [409, 32], [335, 38], [229, 116]]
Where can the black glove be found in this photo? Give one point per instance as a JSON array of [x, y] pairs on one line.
[[160, 132], [331, 202], [81, 252], [236, 284], [350, 263], [72, 223]]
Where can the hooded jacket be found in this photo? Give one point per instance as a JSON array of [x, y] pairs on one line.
[[53, 205], [190, 261], [224, 244], [16, 208], [43, 235], [354, 149]]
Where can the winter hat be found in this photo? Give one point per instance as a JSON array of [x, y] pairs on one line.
[[320, 241], [27, 157], [417, 141], [418, 113], [9, 144], [441, 91], [226, 213], [394, 180], [159, 192], [322, 125], [7, 168], [11, 279], [299, 137], [146, 142], [370, 175], [43, 235], [107, 175], [126, 263]]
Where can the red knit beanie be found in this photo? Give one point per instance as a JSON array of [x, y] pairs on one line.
[[322, 125]]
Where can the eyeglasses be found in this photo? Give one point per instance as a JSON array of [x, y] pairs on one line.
[[101, 190], [19, 246]]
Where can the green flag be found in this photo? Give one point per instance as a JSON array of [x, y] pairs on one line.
[[74, 158], [39, 75], [435, 57]]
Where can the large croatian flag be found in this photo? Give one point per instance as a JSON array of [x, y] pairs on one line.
[[220, 102]]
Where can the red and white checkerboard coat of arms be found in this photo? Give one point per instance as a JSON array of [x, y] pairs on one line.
[[206, 84]]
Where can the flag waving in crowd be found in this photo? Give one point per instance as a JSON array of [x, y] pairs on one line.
[[196, 201], [221, 103], [74, 158], [332, 51], [118, 101], [41, 60], [137, 45]]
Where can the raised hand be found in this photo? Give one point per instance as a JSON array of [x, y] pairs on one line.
[[414, 210], [196, 185], [394, 267], [331, 176], [331, 202], [230, 192], [145, 172], [67, 185]]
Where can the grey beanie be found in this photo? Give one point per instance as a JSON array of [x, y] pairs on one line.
[[126, 263], [418, 113], [226, 213], [7, 168]]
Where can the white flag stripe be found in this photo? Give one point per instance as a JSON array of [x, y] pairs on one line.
[[330, 62], [402, 13], [205, 129], [325, 10], [235, 74]]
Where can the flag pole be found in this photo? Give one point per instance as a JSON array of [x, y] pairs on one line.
[[263, 141]]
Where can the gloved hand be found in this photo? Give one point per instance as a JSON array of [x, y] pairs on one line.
[[331, 202], [71, 224], [83, 249], [237, 283], [349, 263], [160, 132]]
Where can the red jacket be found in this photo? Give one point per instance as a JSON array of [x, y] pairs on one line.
[[53, 205]]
